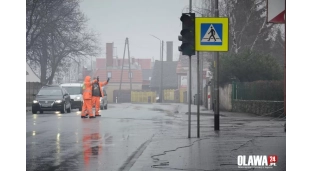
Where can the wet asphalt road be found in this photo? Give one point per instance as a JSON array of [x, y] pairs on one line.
[[112, 142], [147, 137]]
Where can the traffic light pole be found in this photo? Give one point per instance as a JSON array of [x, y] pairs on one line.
[[187, 36], [189, 88], [190, 97], [216, 111]]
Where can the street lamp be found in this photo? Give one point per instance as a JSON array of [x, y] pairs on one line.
[[159, 44], [161, 72]]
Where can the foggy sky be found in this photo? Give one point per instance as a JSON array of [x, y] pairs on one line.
[[115, 20]]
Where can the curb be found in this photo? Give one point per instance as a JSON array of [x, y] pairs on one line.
[[204, 114]]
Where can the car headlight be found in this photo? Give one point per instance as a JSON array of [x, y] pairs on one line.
[[58, 101], [77, 98], [35, 101]]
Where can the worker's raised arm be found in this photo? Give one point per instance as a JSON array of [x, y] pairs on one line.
[[104, 82]]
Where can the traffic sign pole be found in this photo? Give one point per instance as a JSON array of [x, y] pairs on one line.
[[198, 95], [216, 112]]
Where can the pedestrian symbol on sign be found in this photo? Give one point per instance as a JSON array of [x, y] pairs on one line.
[[211, 35]]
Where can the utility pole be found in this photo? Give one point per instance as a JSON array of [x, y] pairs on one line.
[[216, 63], [130, 74], [122, 69]]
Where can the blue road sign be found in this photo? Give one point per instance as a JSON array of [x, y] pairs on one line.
[[211, 34]]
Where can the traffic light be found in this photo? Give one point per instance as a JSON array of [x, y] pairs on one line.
[[187, 34]]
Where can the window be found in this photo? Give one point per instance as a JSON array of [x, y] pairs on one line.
[[109, 74], [130, 75], [50, 92], [64, 91], [73, 90]]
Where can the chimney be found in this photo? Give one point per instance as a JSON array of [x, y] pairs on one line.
[[169, 50], [109, 54]]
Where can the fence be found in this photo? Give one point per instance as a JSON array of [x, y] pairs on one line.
[[143, 97], [258, 90], [182, 90], [169, 95], [31, 88]]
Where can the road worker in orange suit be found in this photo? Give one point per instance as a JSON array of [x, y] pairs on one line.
[[87, 98], [97, 93]]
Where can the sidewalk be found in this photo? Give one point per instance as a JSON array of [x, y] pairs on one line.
[[183, 108], [239, 134]]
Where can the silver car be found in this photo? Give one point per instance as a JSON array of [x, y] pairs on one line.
[[103, 100]]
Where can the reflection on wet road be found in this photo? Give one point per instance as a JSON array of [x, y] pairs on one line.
[[112, 142]]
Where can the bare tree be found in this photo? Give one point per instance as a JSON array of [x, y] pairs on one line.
[[56, 32]]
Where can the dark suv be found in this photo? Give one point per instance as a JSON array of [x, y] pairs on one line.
[[51, 98]]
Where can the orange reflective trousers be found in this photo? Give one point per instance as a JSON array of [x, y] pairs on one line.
[[96, 103], [87, 108]]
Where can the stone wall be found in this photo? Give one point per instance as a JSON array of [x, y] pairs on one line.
[[258, 107]]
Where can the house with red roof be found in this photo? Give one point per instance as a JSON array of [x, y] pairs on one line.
[[111, 67]]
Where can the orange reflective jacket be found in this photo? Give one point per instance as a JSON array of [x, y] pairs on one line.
[[87, 88]]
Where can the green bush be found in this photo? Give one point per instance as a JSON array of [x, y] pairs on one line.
[[248, 67], [260, 90]]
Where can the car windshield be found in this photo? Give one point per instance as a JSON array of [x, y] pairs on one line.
[[50, 92], [73, 90]]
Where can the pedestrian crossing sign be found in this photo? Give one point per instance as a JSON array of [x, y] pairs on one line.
[[211, 34]]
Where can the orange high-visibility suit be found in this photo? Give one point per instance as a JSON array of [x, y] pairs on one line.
[[97, 95], [87, 98]]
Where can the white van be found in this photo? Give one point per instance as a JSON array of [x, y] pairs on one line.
[[75, 92]]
